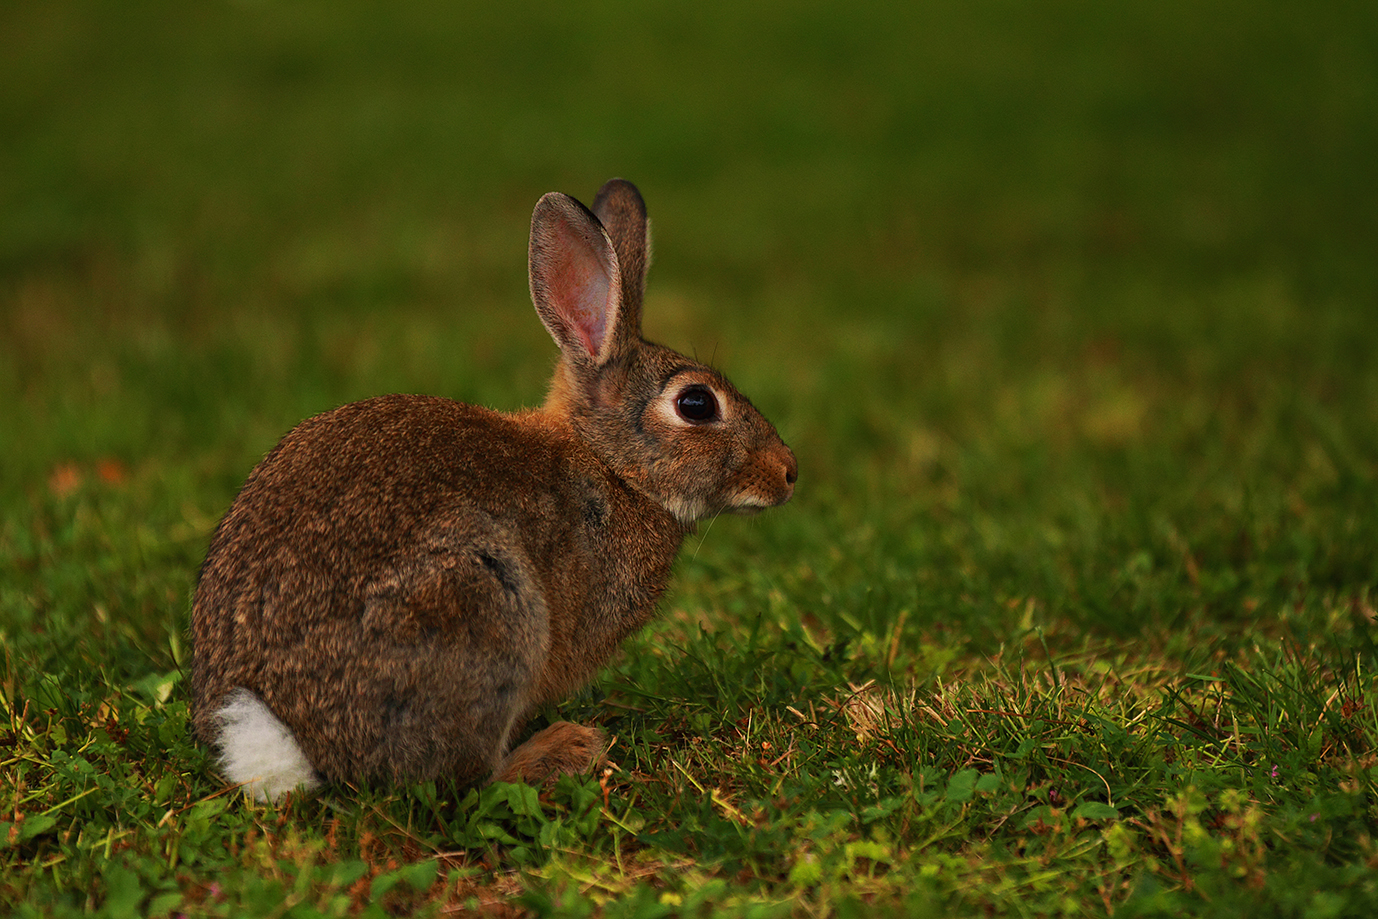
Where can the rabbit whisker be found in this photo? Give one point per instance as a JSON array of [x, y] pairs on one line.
[[703, 537]]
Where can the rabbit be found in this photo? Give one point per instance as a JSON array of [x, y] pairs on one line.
[[401, 581]]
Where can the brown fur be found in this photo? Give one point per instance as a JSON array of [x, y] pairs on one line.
[[403, 579]]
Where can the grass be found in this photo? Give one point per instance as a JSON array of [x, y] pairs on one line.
[[1068, 310]]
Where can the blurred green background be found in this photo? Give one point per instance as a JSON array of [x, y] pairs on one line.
[[1069, 308]]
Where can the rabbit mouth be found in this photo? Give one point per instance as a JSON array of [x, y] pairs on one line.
[[752, 507], [760, 496], [690, 511]]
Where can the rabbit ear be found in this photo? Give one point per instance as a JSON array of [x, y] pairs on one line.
[[576, 284], [621, 210]]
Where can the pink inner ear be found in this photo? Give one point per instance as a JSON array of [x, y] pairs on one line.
[[581, 289]]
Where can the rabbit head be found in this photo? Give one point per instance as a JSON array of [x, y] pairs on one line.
[[675, 429]]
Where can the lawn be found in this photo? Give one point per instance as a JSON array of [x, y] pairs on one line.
[[1069, 311]]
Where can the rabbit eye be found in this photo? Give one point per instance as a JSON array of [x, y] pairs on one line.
[[696, 405]]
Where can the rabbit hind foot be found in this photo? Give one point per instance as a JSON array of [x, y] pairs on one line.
[[563, 748], [258, 751]]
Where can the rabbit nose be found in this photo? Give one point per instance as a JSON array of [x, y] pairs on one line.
[[791, 467]]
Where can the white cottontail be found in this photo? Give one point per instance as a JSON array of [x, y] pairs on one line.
[[402, 580]]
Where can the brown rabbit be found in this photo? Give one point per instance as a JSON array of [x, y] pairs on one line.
[[401, 581]]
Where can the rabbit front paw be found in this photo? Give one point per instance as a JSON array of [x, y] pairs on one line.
[[563, 748]]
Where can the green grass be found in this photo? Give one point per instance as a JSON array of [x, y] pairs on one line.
[[1068, 309]]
